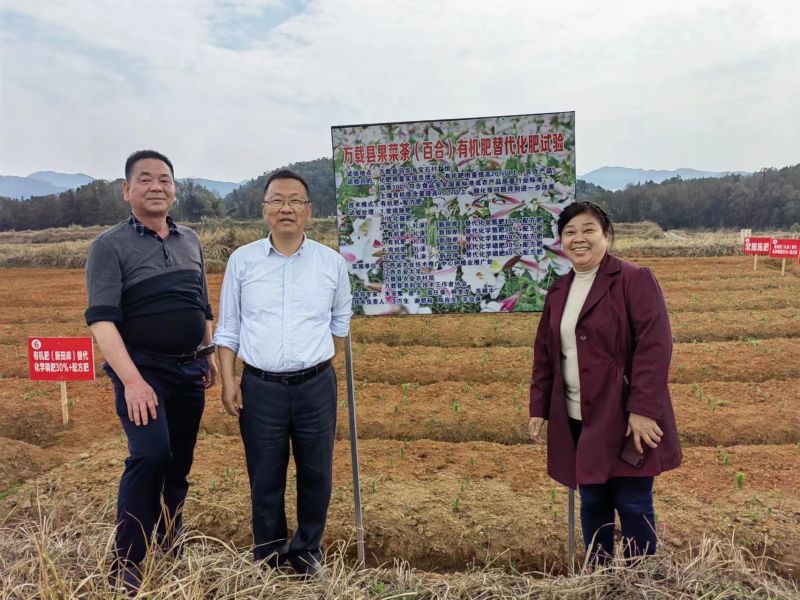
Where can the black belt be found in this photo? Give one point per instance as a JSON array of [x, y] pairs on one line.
[[292, 377], [179, 358]]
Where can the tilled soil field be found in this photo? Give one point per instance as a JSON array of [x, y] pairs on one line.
[[448, 477]]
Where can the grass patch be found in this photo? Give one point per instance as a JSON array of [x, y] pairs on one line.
[[9, 490], [41, 558]]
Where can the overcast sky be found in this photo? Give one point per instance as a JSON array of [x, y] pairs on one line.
[[232, 88]]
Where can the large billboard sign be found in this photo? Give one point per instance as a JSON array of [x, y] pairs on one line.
[[454, 216]]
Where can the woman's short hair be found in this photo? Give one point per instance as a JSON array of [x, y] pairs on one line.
[[578, 208]]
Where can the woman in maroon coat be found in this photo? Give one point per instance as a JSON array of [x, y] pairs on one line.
[[600, 369]]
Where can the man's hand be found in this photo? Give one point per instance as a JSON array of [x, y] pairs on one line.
[[210, 378], [536, 427], [643, 429], [140, 399], [232, 398]]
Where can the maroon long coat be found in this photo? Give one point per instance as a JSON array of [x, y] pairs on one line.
[[623, 356]]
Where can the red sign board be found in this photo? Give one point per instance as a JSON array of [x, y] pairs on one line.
[[785, 248], [757, 245], [61, 358]]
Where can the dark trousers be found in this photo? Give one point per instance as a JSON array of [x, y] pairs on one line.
[[160, 454], [632, 499], [275, 415]]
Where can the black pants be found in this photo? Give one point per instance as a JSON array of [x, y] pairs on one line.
[[275, 414], [160, 454]]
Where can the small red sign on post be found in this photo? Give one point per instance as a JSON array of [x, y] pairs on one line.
[[61, 358], [785, 248], [757, 245]]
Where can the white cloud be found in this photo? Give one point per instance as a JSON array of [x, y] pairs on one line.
[[676, 84]]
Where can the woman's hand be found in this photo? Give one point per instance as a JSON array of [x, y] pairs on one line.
[[643, 429], [536, 427]]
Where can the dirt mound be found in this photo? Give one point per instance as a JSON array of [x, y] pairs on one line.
[[30, 411], [20, 461]]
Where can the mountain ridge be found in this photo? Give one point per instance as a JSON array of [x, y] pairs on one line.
[[614, 178]]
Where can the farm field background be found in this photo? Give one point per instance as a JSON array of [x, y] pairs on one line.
[[448, 476]]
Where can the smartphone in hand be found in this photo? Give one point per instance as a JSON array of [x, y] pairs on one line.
[[631, 455]]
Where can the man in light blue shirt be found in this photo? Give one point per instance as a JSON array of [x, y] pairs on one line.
[[285, 301]]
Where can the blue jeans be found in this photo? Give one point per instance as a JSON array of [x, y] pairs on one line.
[[160, 454], [631, 498], [275, 415]]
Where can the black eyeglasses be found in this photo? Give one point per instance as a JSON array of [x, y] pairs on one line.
[[294, 203]]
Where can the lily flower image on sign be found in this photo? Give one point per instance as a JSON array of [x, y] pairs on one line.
[[366, 247], [502, 206], [468, 204], [482, 280], [443, 207]]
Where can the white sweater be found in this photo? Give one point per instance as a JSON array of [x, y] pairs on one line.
[[578, 292]]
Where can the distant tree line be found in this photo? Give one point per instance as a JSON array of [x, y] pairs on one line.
[[100, 202], [766, 200]]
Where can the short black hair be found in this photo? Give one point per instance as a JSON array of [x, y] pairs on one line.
[[287, 174], [142, 155], [578, 208]]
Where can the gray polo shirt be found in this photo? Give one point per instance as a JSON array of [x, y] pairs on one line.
[[134, 278]]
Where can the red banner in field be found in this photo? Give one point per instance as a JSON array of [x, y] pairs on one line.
[[61, 358], [757, 245], [784, 248]]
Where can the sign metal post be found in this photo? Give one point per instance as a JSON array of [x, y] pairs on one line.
[[351, 409]]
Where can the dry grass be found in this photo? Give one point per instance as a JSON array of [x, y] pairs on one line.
[[646, 230], [66, 247], [42, 559], [62, 255], [52, 236], [673, 244]]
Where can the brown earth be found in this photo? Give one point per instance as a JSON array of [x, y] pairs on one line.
[[463, 383], [20, 461]]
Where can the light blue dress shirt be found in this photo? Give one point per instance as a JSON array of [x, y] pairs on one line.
[[278, 312]]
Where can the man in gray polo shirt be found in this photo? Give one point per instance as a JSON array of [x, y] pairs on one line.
[[150, 315]]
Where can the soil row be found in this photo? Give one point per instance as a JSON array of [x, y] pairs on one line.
[[714, 413], [520, 329], [496, 499], [713, 267], [755, 360], [752, 360], [477, 330], [708, 414]]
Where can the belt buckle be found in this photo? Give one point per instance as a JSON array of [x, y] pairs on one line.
[[187, 358], [284, 379]]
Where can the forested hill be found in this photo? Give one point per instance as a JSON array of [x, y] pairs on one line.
[[766, 200], [245, 201]]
